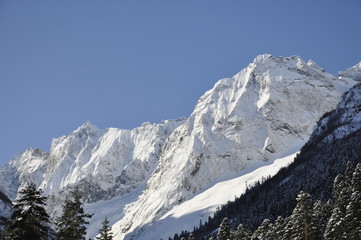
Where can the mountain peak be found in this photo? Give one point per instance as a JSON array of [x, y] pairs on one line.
[[262, 58], [266, 62], [263, 112], [267, 110], [89, 126], [353, 73], [268, 59]]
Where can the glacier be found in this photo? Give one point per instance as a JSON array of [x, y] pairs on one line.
[[156, 179]]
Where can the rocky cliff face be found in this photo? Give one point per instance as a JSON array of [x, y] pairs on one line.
[[342, 121], [138, 175], [101, 163], [252, 118]]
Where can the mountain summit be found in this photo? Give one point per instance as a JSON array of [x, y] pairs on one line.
[[266, 111], [139, 177]]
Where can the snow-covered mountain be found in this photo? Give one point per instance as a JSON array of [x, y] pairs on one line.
[[139, 177], [266, 111], [101, 163], [353, 73], [333, 147], [343, 121]]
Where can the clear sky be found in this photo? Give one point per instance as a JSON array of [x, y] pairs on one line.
[[119, 63]]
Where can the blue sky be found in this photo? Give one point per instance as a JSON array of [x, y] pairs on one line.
[[122, 63]]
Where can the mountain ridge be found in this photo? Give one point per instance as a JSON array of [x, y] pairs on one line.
[[223, 124], [314, 169], [218, 139]]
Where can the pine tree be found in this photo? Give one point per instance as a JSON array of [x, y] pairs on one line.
[[335, 229], [353, 209], [286, 233], [71, 225], [241, 233], [264, 231], [224, 232], [29, 219], [278, 228], [336, 225], [301, 218], [320, 215], [348, 173], [341, 193], [105, 232]]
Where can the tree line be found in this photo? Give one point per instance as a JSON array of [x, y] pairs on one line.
[[30, 221], [313, 171], [335, 219]]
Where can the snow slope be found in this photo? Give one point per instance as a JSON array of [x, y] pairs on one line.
[[243, 121], [344, 120], [102, 163], [202, 205], [145, 180], [352, 73]]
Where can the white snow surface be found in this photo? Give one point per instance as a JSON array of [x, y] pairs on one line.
[[353, 73], [348, 78], [251, 118], [204, 204], [348, 115], [158, 178]]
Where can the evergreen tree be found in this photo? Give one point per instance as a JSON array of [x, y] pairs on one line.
[[353, 209], [29, 219], [224, 232], [301, 218], [71, 225], [320, 215], [106, 231], [241, 233], [286, 233], [348, 173], [264, 231], [335, 229], [336, 225], [341, 193], [278, 228]]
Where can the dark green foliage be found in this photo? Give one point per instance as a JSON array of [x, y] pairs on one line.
[[224, 232], [241, 233], [336, 227], [106, 231], [29, 219], [264, 231], [313, 171], [301, 218], [345, 219], [353, 208], [71, 225], [320, 215], [311, 220]]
